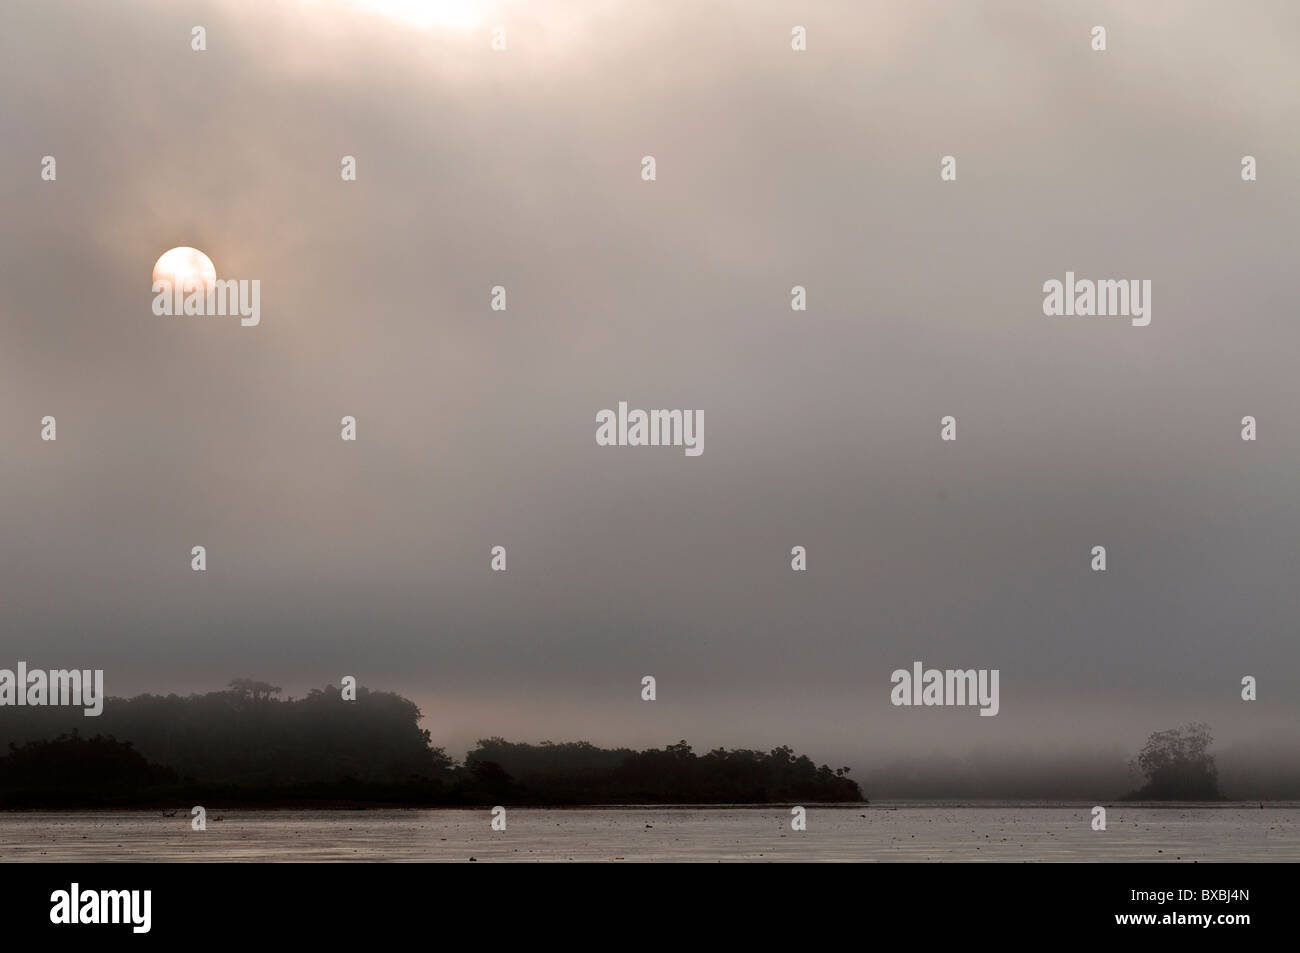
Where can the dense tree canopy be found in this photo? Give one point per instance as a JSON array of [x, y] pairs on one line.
[[245, 743], [581, 772]]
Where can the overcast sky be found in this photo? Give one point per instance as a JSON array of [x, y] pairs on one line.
[[476, 428]]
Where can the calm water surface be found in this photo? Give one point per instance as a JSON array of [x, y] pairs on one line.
[[886, 831]]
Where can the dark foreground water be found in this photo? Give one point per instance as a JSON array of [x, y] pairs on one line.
[[890, 831]]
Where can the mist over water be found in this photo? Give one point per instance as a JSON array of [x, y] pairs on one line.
[[477, 428]]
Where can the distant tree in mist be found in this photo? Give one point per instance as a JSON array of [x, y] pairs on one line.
[[1178, 766]]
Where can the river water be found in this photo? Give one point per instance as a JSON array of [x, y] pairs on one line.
[[886, 831]]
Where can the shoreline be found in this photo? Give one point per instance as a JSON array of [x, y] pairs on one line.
[[170, 809]]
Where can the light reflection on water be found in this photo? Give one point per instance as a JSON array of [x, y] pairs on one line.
[[884, 831]]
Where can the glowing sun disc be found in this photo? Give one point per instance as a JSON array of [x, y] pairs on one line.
[[185, 267]]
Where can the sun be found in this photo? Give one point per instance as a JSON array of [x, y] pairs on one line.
[[185, 268]]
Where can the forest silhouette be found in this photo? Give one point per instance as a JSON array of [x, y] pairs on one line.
[[246, 746]]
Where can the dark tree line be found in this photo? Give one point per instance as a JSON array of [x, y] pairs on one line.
[[75, 770], [245, 736], [580, 772], [245, 745]]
